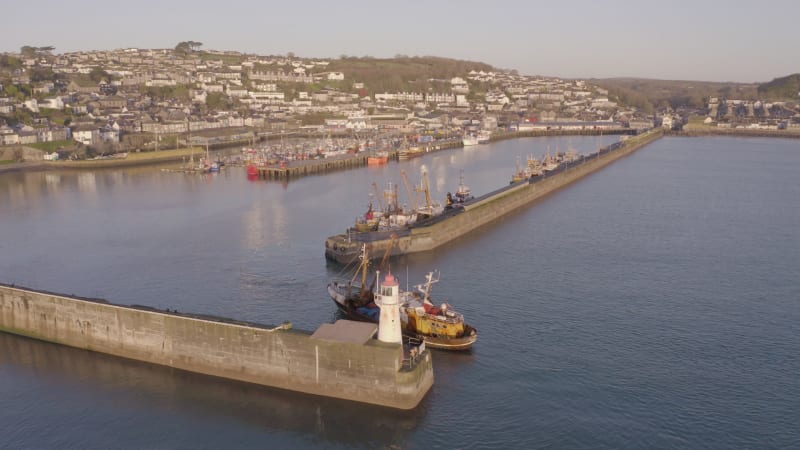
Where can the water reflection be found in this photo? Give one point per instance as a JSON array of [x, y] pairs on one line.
[[254, 231], [160, 388], [87, 182]]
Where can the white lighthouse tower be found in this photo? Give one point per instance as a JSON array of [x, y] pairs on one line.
[[389, 299]]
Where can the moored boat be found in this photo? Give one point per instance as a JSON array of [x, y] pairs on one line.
[[439, 327], [431, 207], [522, 173], [469, 140], [381, 157], [462, 194], [410, 152], [535, 166]]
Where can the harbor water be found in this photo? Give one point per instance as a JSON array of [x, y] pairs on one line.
[[653, 304]]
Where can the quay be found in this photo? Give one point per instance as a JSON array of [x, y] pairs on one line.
[[504, 135], [703, 131], [340, 360], [300, 168], [428, 234]]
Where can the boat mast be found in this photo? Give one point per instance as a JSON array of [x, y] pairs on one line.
[[413, 199], [425, 188], [427, 191], [364, 269], [378, 196]]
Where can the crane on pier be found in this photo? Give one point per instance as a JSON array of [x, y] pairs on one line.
[[412, 199]]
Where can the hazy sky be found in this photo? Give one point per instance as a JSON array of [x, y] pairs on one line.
[[734, 40]]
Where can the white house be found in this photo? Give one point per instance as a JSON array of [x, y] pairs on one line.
[[459, 85], [237, 92], [85, 134], [32, 105], [9, 139], [276, 95], [52, 103], [357, 123]]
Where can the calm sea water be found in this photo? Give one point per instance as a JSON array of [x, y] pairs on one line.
[[654, 304]]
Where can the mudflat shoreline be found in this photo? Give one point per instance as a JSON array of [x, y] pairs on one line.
[[132, 160]]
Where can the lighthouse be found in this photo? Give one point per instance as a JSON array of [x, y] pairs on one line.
[[389, 324]]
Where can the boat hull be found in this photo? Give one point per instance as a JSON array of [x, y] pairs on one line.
[[377, 160], [455, 344]]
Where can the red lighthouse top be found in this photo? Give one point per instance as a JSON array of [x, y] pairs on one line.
[[389, 280]]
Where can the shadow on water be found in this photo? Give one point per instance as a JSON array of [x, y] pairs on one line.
[[156, 388]]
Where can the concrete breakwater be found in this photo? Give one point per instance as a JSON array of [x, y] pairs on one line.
[[339, 360], [703, 131], [429, 234]]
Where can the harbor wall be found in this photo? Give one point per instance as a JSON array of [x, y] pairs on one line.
[[483, 211], [488, 210], [374, 372]]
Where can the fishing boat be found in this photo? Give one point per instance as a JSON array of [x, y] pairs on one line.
[[439, 327], [469, 140], [463, 193], [484, 136], [411, 152], [522, 173], [369, 221], [550, 162], [431, 207], [535, 166], [379, 158]]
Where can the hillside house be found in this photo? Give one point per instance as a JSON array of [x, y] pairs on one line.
[[86, 134]]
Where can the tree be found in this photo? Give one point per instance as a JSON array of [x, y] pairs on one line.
[[11, 91], [28, 51], [9, 62], [98, 74], [39, 74], [185, 47], [216, 101]]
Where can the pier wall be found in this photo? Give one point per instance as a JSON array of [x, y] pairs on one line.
[[289, 359], [484, 211]]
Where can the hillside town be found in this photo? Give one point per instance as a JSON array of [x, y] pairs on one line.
[[104, 102]]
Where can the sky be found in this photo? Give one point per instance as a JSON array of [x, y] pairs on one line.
[[734, 40]]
